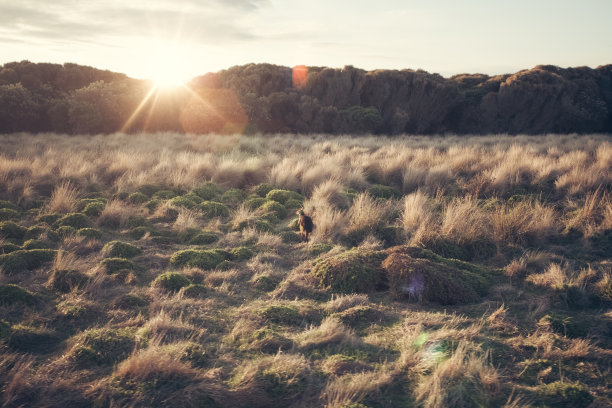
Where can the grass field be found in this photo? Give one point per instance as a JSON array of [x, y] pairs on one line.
[[167, 270]]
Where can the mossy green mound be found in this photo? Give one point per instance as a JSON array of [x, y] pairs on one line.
[[115, 265], [562, 394], [8, 205], [32, 339], [266, 283], [354, 271], [199, 258], [320, 248], [34, 232], [241, 253], [211, 209], [104, 346], [282, 196], [233, 196], [413, 273], [262, 189], [281, 314], [11, 294], [7, 248], [91, 233], [184, 201], [254, 203], [65, 280], [273, 210], [10, 230], [49, 219], [207, 192], [94, 209], [194, 291], [172, 281], [74, 220], [65, 231], [259, 224], [138, 198], [164, 195], [8, 214], [35, 244], [23, 259], [120, 249]]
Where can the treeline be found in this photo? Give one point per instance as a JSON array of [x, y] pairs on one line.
[[268, 98]]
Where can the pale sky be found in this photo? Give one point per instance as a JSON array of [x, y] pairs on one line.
[[185, 38]]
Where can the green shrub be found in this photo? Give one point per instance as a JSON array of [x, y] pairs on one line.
[[25, 259], [241, 253], [565, 325], [164, 195], [152, 204], [381, 191], [182, 201], [320, 248], [139, 232], [91, 233], [119, 249], [148, 189], [280, 314], [172, 281], [83, 203], [10, 230], [114, 265], [262, 189], [208, 191], [94, 209], [294, 224], [356, 270], [32, 339], [104, 346], [130, 301], [258, 224], [199, 258], [8, 214], [255, 202], [212, 209], [8, 205], [194, 291], [203, 238], [233, 196], [11, 294], [282, 196], [74, 220], [561, 394], [195, 354], [65, 280], [134, 221], [277, 210], [479, 248], [65, 231], [35, 244]]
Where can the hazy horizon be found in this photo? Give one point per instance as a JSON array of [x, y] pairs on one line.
[[188, 38]]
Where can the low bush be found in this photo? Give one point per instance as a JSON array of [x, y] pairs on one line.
[[35, 244], [194, 291], [74, 220], [23, 259], [207, 192], [282, 196], [274, 210], [241, 253], [94, 209], [8, 214], [182, 201], [280, 314], [356, 270], [211, 209], [266, 283], [262, 189], [233, 196], [49, 219], [32, 339], [11, 294], [171, 281], [199, 258], [562, 394], [320, 248], [254, 203], [290, 237], [164, 195], [65, 280], [382, 191], [138, 198], [115, 265], [7, 248], [91, 233], [8, 205], [34, 232], [10, 230], [65, 231], [103, 346], [119, 249]]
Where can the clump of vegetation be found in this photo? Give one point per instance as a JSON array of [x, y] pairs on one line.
[[262, 189], [103, 346], [23, 259], [11, 294], [241, 253], [265, 283], [211, 209], [65, 231], [8, 214], [233, 196], [91, 233], [116, 265], [35, 244], [356, 270], [74, 220], [138, 198], [282, 196], [319, 248], [562, 394], [65, 280], [254, 203], [31, 339], [194, 290], [382, 191], [10, 230], [274, 210], [195, 236], [119, 249], [172, 281], [199, 258], [281, 314], [207, 191]]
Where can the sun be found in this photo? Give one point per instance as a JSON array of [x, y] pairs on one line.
[[168, 67]]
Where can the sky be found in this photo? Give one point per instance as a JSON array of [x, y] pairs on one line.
[[185, 38]]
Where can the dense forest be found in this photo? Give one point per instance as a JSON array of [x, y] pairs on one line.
[[69, 98]]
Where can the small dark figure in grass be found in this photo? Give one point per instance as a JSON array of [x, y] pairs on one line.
[[305, 223]]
